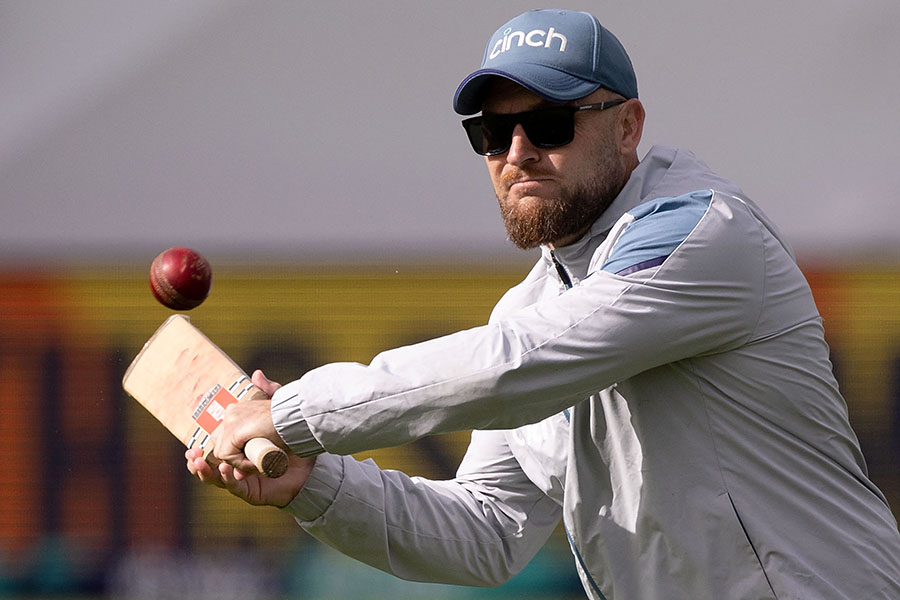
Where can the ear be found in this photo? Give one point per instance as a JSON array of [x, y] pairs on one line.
[[631, 126]]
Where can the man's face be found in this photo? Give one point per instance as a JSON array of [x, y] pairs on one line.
[[553, 195]]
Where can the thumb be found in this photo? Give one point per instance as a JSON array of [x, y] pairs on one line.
[[260, 380]]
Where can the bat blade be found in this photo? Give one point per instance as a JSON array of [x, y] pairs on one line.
[[186, 382]]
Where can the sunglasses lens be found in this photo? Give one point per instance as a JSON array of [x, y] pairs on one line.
[[489, 134], [545, 128], [549, 128]]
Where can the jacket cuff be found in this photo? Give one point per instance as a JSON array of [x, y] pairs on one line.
[[290, 423], [320, 490]]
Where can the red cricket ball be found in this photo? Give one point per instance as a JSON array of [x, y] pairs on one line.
[[180, 278]]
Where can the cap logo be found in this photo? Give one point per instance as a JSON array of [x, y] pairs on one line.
[[536, 38]]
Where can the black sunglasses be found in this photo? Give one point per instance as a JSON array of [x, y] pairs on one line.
[[551, 127]]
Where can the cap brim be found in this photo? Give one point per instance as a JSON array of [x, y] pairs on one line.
[[547, 82]]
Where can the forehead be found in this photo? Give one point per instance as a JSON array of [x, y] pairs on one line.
[[506, 96]]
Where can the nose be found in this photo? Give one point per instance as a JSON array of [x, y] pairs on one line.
[[521, 150]]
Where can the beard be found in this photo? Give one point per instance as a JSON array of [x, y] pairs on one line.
[[534, 221]]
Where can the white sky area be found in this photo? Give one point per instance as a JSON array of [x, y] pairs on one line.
[[312, 131]]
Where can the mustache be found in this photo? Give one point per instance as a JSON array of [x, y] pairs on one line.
[[518, 174]]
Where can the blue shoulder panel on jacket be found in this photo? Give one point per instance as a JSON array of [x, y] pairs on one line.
[[657, 230]]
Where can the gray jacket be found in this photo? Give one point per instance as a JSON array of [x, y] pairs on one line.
[[662, 386]]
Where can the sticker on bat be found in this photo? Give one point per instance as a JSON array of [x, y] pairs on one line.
[[211, 410]]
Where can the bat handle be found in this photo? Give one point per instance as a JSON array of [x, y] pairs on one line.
[[268, 458]]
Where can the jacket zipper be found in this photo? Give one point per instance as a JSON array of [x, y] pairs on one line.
[[581, 562], [561, 271], [567, 283]]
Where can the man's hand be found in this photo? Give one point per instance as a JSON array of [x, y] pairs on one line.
[[254, 488], [243, 421]]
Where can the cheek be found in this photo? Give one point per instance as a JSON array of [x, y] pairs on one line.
[[575, 164]]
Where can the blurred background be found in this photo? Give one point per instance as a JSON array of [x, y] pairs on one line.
[[310, 152]]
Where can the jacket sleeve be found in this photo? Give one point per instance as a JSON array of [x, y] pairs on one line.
[[478, 529], [705, 296]]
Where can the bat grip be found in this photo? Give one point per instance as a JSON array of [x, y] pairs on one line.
[[268, 458]]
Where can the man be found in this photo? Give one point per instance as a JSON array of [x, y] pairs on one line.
[[659, 381]]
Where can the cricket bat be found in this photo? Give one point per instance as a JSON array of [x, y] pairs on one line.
[[186, 382]]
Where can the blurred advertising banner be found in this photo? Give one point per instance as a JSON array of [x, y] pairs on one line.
[[91, 483]]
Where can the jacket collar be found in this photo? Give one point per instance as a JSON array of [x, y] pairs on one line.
[[641, 186]]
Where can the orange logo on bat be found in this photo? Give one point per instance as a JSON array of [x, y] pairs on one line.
[[211, 409]]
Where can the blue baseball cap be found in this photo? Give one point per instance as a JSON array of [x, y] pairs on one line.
[[557, 54]]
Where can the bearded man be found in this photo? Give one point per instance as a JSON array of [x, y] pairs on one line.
[[659, 382]]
